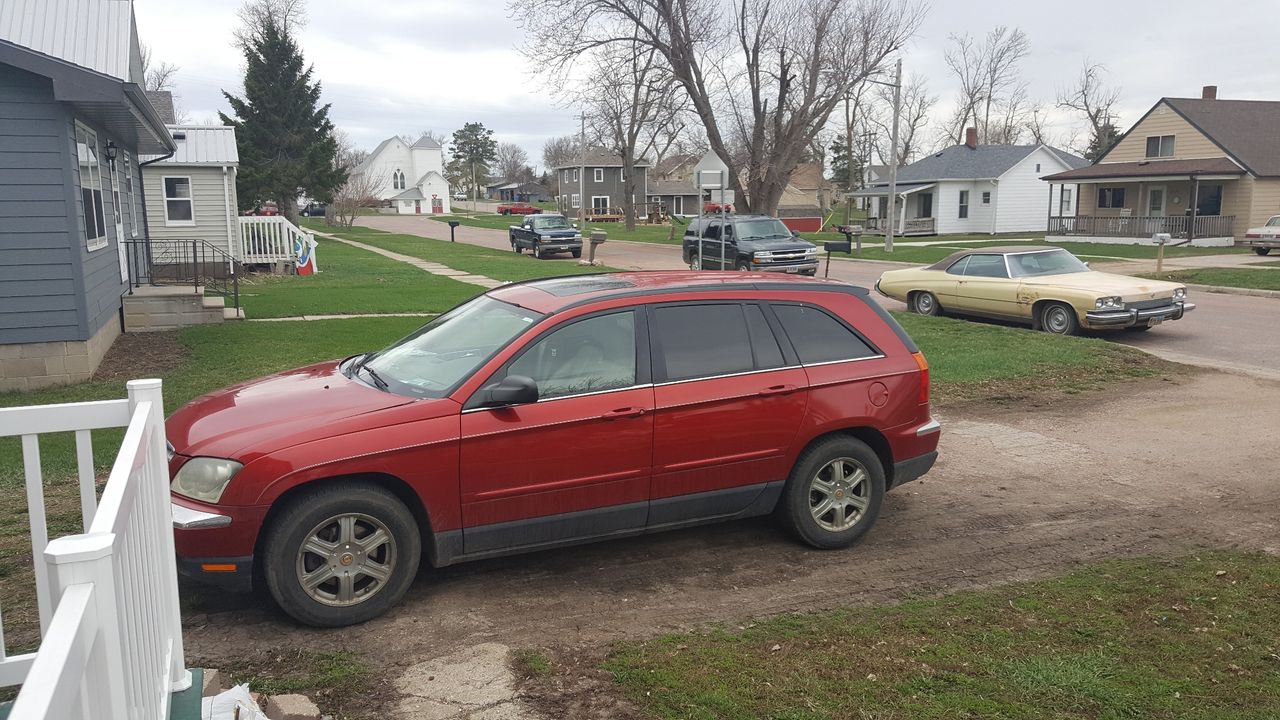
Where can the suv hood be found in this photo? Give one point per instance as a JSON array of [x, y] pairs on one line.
[[274, 412], [787, 244]]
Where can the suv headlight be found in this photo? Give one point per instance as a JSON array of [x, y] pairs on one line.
[[1109, 302], [1180, 293], [204, 478]]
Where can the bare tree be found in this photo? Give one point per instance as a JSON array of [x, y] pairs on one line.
[[964, 58], [559, 151], [1090, 97], [348, 157], [512, 162], [358, 192], [439, 137], [1004, 52], [288, 15], [765, 79], [159, 76], [990, 80], [917, 106]]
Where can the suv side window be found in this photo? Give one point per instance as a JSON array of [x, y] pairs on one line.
[[702, 340], [763, 343], [712, 230], [728, 231], [591, 355], [818, 337]]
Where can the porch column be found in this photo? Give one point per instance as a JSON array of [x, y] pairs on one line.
[[1195, 207], [902, 224], [1048, 220]]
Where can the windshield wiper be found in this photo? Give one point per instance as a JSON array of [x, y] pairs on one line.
[[373, 374]]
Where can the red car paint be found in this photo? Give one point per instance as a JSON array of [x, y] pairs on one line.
[[714, 208], [644, 444], [518, 208]]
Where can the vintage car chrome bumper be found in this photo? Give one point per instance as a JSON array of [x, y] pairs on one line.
[[1131, 317]]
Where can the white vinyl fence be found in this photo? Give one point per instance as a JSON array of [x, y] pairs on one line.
[[266, 239], [111, 633]]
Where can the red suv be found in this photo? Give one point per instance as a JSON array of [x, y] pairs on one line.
[[548, 413]]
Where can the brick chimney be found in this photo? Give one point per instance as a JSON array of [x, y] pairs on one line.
[[1209, 92], [971, 138]]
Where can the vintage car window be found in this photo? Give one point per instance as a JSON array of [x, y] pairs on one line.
[[991, 266], [763, 343], [445, 351], [551, 223], [957, 268], [818, 337], [1274, 221], [762, 228], [703, 340], [1055, 262], [591, 355]]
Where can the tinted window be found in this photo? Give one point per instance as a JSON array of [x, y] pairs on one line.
[[703, 340], [986, 266], [768, 354], [590, 355], [957, 268], [712, 231], [818, 337]]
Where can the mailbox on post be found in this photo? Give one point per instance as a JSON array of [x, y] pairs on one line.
[[594, 240], [852, 234], [452, 224]]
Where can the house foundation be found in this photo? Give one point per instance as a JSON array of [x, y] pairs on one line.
[[31, 366]]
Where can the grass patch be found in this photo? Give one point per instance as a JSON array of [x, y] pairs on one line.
[[1194, 637], [1267, 263], [351, 281], [331, 679], [1227, 277], [616, 231], [497, 264], [530, 663], [978, 361]]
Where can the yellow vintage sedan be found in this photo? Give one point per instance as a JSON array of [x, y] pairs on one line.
[[1045, 287]]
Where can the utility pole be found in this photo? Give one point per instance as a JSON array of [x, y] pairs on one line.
[[582, 173], [474, 190], [893, 159], [848, 157]]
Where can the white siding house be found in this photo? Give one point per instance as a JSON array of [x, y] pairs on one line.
[[974, 189], [192, 195], [410, 177]]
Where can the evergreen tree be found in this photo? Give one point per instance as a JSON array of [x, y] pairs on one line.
[[1102, 140], [473, 150], [285, 138]]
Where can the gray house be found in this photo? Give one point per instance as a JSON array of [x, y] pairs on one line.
[[598, 184], [73, 122]]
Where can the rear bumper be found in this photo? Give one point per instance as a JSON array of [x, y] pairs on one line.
[[1129, 318], [913, 468]]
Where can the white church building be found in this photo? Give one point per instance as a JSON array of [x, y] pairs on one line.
[[411, 177]]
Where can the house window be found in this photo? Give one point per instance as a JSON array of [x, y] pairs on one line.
[[964, 204], [95, 226], [575, 200], [600, 204], [1064, 205], [986, 197], [178, 205], [1160, 146], [599, 175], [575, 176], [1110, 197], [1037, 167], [128, 190]]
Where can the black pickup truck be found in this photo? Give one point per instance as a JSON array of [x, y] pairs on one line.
[[545, 234], [748, 242]]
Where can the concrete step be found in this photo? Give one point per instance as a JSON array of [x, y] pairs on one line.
[[214, 301], [232, 313]]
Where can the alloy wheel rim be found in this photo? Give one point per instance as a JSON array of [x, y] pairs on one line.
[[839, 494], [346, 559]]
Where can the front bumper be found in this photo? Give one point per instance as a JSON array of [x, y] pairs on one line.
[[807, 267], [1132, 317], [234, 574]]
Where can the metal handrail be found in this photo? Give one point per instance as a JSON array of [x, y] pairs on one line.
[[193, 262]]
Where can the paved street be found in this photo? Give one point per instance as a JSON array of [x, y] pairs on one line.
[[1226, 332]]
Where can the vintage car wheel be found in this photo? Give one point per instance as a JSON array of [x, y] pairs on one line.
[[1262, 250], [925, 303], [1059, 319], [834, 493], [341, 554]]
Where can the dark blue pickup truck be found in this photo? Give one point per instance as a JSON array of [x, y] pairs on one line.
[[545, 234]]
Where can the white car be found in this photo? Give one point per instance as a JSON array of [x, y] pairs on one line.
[[1262, 239], [459, 196]]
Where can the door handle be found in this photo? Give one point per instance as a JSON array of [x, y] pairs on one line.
[[623, 413], [778, 390]]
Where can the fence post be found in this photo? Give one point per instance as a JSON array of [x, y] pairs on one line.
[[87, 559], [141, 391]]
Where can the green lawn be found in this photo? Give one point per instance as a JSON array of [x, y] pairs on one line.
[[1228, 277], [615, 231], [497, 264], [351, 281], [1194, 637]]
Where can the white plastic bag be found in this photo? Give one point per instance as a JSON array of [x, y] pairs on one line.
[[223, 705]]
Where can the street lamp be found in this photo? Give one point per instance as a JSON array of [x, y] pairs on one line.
[[893, 152]]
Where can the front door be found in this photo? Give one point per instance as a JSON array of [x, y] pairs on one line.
[[924, 205], [437, 205], [728, 402], [1155, 201], [677, 205], [985, 287], [577, 462], [417, 207]]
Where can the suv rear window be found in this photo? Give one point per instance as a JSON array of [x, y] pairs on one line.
[[818, 337], [703, 340]]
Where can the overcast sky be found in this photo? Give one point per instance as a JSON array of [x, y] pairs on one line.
[[403, 66]]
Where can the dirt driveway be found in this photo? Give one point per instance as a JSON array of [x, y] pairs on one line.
[[1018, 493]]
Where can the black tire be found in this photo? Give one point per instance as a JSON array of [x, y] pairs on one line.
[[537, 251], [515, 247], [695, 263], [925, 303], [742, 266], [796, 508], [1059, 319], [1262, 250], [282, 552], [577, 252]]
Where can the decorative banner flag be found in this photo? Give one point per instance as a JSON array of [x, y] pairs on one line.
[[304, 251]]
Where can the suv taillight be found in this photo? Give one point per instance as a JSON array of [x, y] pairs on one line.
[[924, 376]]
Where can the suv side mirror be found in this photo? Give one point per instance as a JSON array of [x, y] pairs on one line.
[[512, 390]]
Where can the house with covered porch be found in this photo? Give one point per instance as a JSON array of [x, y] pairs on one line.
[[1200, 169]]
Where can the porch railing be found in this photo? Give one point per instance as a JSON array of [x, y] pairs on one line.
[[268, 239], [111, 634], [197, 263], [1143, 226], [913, 226]]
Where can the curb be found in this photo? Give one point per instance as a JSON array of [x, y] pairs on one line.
[[1224, 290]]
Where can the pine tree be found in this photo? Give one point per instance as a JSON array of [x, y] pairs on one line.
[[1101, 142], [474, 150], [285, 138]]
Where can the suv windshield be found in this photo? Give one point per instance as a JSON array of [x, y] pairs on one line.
[[550, 223], [445, 351], [763, 228], [1052, 262]]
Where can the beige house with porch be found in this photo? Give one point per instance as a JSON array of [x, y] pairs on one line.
[[1201, 169]]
